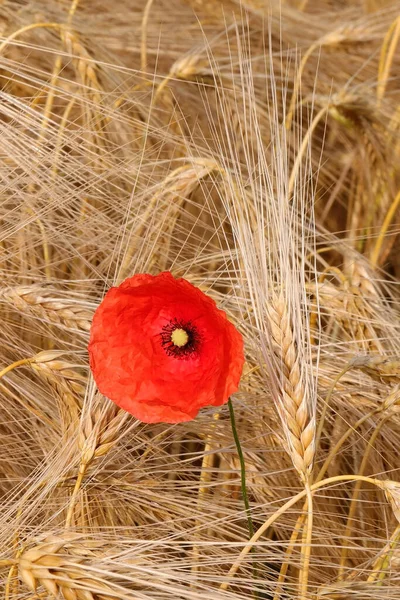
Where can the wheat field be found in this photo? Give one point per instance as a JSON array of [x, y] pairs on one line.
[[252, 147]]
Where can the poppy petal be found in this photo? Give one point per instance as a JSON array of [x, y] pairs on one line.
[[162, 350]]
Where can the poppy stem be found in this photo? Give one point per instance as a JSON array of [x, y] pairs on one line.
[[242, 469]]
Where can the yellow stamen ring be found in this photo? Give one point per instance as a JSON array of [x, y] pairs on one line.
[[179, 337]]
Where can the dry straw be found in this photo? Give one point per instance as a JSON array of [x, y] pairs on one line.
[[253, 148]]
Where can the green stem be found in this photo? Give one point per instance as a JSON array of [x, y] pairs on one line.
[[242, 469]]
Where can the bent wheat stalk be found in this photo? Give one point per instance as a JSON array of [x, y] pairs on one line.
[[391, 489], [392, 400]]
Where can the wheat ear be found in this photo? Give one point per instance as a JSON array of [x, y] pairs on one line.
[[31, 299], [297, 418], [100, 430], [67, 382], [381, 368], [293, 405], [56, 565]]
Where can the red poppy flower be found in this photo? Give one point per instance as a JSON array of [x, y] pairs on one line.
[[161, 349]]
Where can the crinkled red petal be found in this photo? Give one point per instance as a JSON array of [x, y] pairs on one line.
[[132, 368]]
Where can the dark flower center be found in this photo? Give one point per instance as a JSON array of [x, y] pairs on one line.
[[180, 339]]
